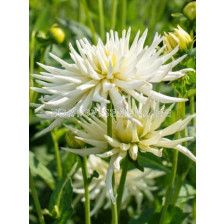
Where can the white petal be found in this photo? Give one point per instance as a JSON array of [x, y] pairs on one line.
[[157, 152], [50, 127], [165, 99], [173, 128], [83, 152], [129, 85], [186, 152], [114, 143], [109, 153], [96, 143], [172, 143], [109, 179], [118, 159]]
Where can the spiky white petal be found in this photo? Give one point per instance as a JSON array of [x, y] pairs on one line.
[[113, 69], [127, 137]]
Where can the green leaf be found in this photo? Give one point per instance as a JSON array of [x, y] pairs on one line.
[[175, 215], [69, 161], [151, 161], [39, 169], [60, 205], [136, 164], [143, 218], [43, 22], [187, 192], [191, 92], [192, 77], [77, 29]]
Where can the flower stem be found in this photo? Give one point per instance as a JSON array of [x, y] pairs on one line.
[[35, 198], [180, 183], [122, 184], [114, 14], [114, 206], [184, 174], [109, 133], [89, 21], [180, 113], [109, 121], [101, 17], [57, 155], [32, 52], [86, 187], [123, 14], [169, 190], [192, 109]]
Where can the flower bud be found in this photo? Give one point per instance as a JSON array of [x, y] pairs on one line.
[[177, 37], [190, 10], [57, 34], [72, 141], [133, 151]]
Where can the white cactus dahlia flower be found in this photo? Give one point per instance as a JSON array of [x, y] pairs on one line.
[[127, 137], [137, 185], [114, 69]]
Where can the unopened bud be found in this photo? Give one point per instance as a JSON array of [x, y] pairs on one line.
[[72, 141], [178, 37], [57, 34], [190, 10]]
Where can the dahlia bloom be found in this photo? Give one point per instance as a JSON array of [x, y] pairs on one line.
[[129, 138], [137, 185], [112, 70]]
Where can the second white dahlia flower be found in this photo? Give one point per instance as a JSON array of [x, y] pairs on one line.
[[138, 184], [129, 138], [98, 72]]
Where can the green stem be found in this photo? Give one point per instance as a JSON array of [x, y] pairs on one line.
[[109, 121], [114, 206], [122, 184], [184, 174], [169, 190], [109, 133], [89, 21], [123, 14], [182, 116], [86, 187], [57, 155], [32, 54], [35, 198], [114, 14], [192, 109], [194, 209], [180, 183], [180, 113], [101, 17], [81, 12]]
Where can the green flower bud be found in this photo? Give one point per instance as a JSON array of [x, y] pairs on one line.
[[190, 10], [57, 34], [72, 141], [178, 37]]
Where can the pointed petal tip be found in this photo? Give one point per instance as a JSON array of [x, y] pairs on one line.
[[40, 64]]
